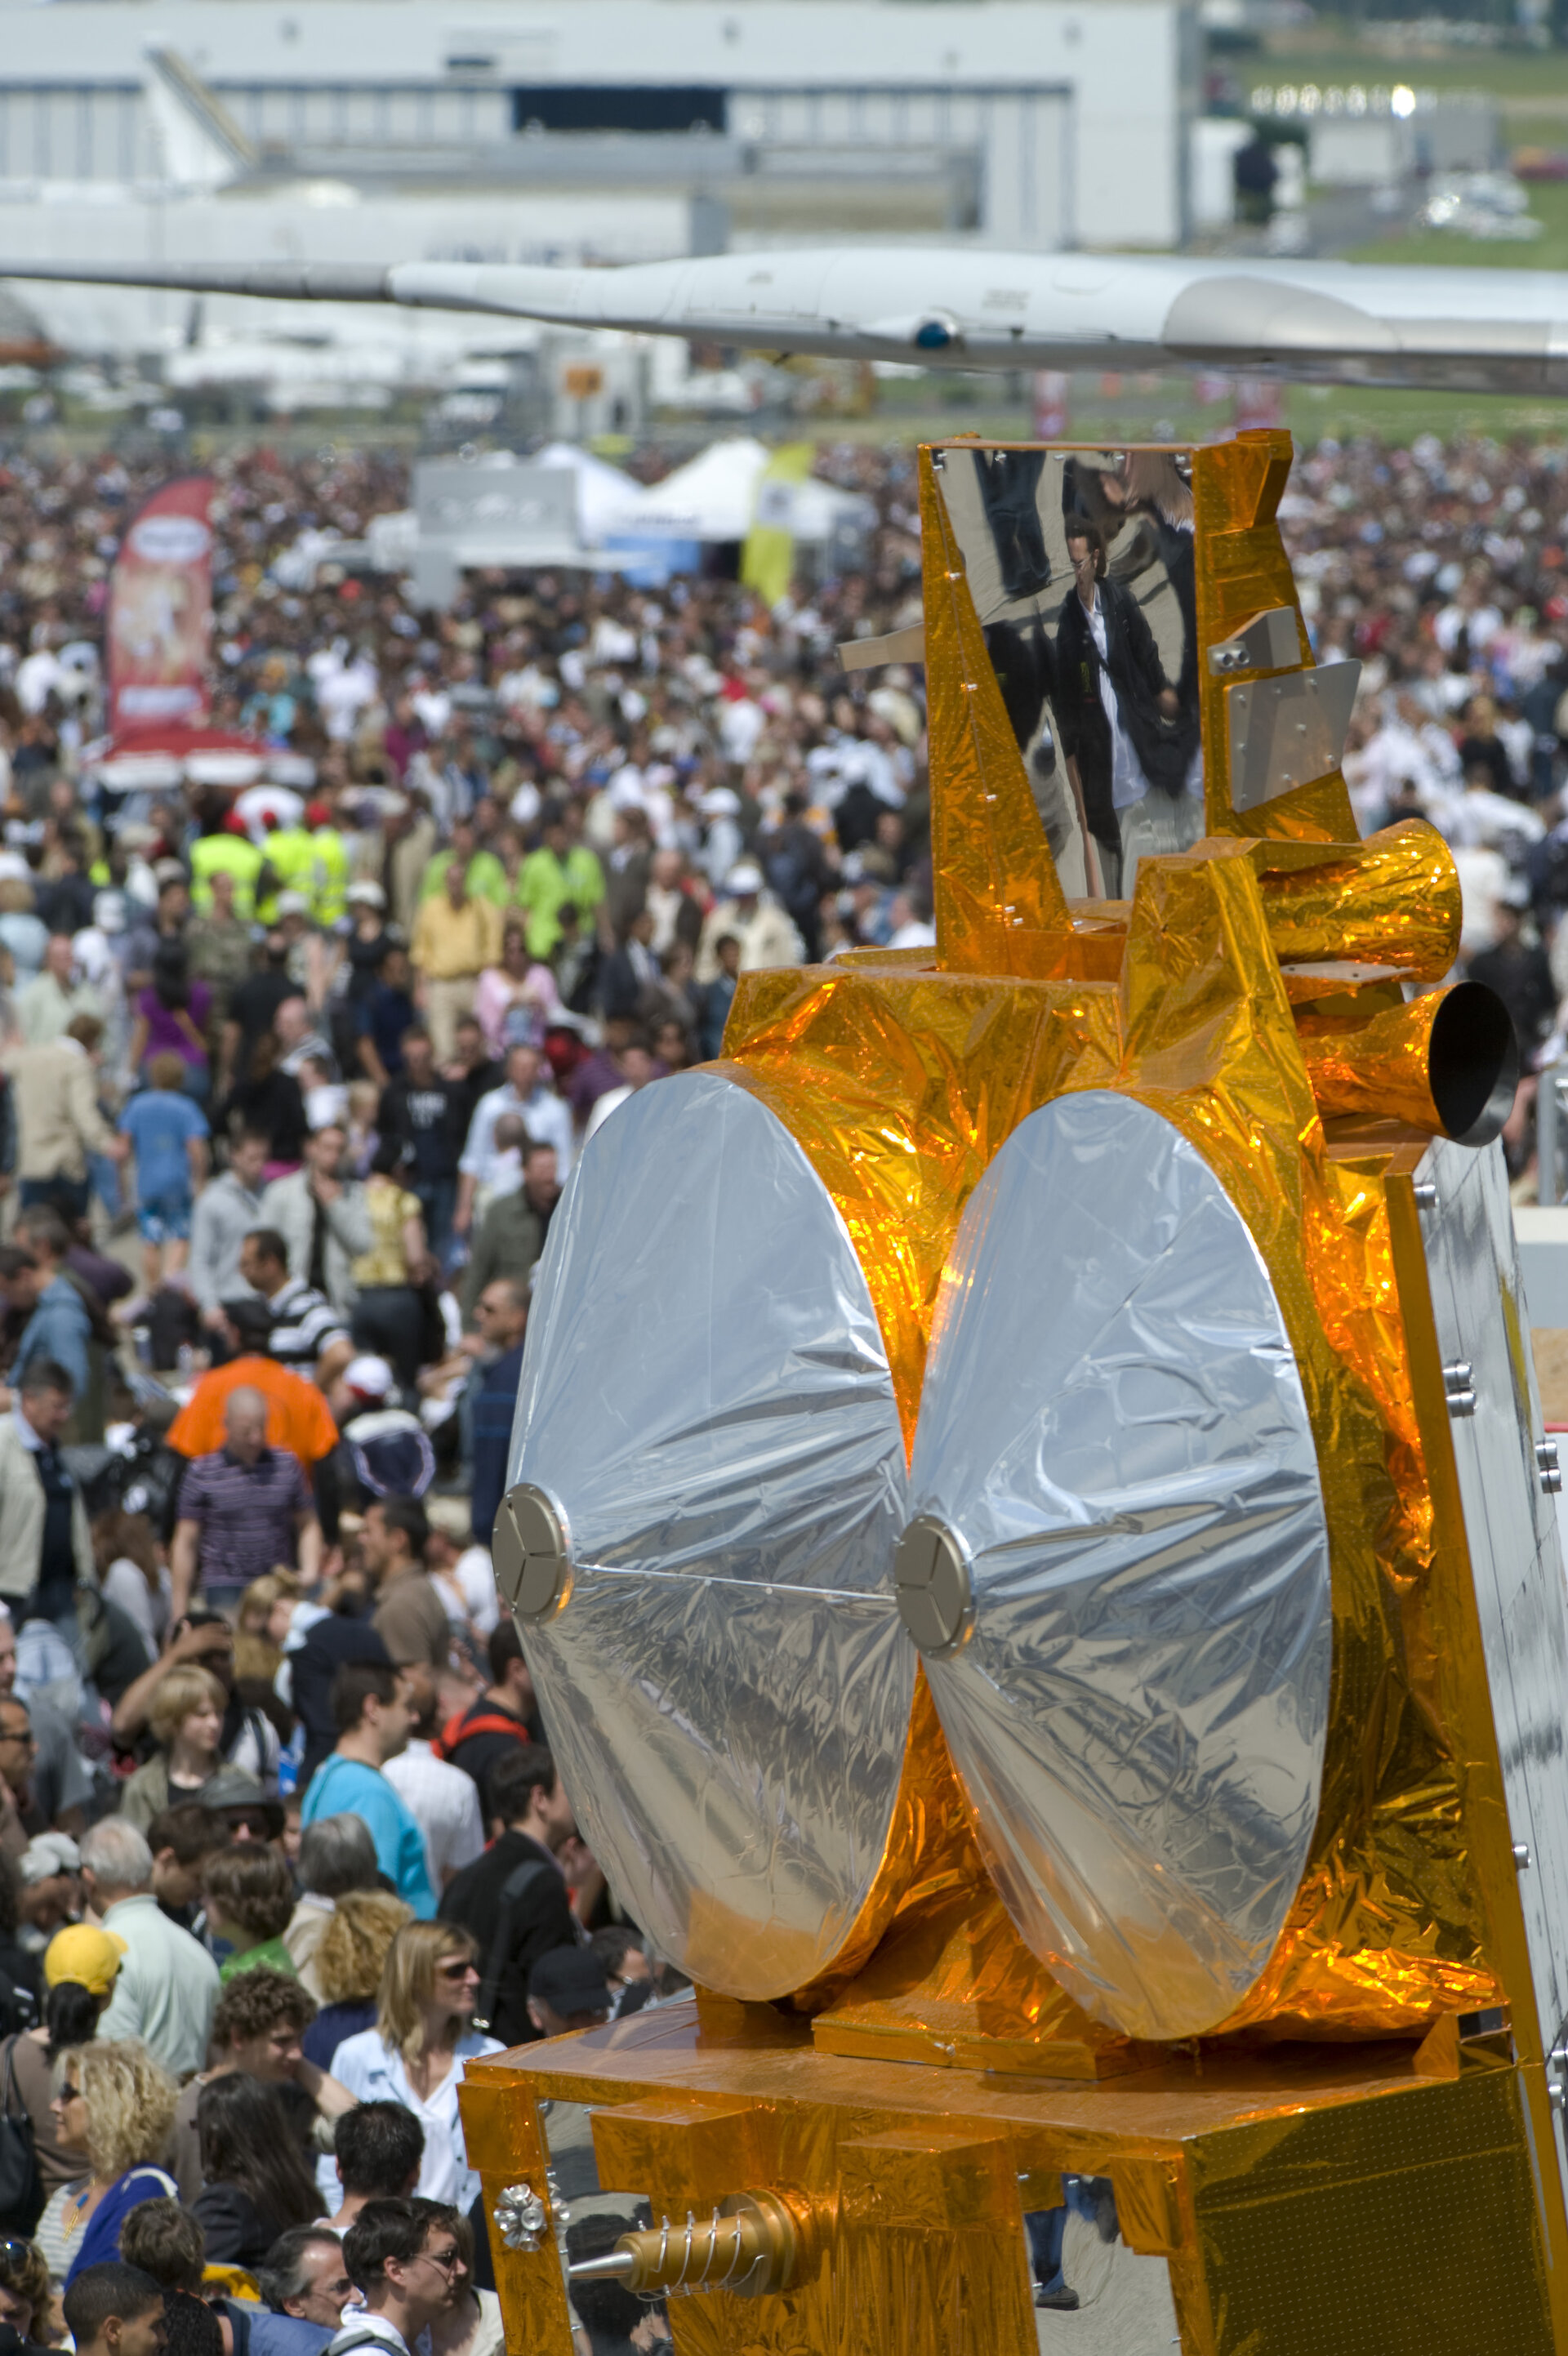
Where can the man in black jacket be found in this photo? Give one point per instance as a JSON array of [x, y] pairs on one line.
[[426, 1112], [1103, 637], [513, 1899]]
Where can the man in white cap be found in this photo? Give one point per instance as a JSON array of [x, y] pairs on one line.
[[766, 934], [383, 1451]]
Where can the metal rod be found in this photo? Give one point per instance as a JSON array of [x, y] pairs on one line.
[[748, 2244], [1546, 1105], [614, 2267]]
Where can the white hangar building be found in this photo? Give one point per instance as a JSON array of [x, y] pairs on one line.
[[1022, 122]]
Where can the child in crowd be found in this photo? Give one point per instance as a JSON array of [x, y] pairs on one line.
[[168, 1136]]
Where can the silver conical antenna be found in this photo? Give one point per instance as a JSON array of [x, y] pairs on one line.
[[707, 1482], [1117, 1565]]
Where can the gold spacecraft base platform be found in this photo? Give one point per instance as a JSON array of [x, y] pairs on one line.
[[1308, 2200]]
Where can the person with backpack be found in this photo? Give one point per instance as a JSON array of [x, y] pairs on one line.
[[505, 1715], [514, 1898], [382, 1451]]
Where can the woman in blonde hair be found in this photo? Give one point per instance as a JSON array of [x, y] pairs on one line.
[[423, 2035], [186, 1720], [265, 1609], [347, 1963], [114, 2106]]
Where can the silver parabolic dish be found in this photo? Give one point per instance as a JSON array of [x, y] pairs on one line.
[[707, 1408], [1114, 1441]]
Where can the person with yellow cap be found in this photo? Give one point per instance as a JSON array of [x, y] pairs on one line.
[[84, 1955], [80, 1964]]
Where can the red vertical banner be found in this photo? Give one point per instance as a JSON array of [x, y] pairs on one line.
[[1051, 387], [160, 611]]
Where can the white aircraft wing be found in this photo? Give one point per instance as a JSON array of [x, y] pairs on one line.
[[1473, 330]]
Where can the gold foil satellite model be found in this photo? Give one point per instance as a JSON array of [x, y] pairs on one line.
[[1032, 1531]]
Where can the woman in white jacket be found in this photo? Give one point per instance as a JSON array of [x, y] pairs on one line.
[[416, 2054]]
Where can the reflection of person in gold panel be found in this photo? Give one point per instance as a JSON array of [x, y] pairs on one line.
[[1132, 741], [1149, 489], [1113, 697]]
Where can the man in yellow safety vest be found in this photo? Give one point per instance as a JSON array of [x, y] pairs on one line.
[[228, 851], [328, 885], [289, 853]]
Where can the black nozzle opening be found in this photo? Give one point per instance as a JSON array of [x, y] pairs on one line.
[[1473, 1063]]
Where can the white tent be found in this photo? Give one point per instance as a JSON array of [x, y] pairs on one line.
[[711, 498], [813, 511], [608, 502]]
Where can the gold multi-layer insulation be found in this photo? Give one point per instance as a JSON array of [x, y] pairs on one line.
[[902, 1077]]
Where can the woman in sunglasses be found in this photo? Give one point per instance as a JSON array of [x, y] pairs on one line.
[[416, 2054], [114, 2107]]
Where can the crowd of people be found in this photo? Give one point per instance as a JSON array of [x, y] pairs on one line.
[[295, 1073], [1443, 569], [292, 1076]]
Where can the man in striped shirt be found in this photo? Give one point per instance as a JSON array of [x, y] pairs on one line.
[[308, 1334], [242, 1511]]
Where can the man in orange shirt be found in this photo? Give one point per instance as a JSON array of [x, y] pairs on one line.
[[298, 1418]]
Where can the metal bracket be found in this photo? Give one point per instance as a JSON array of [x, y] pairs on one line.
[[1459, 1387], [1286, 731], [1548, 1466], [1269, 641]]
